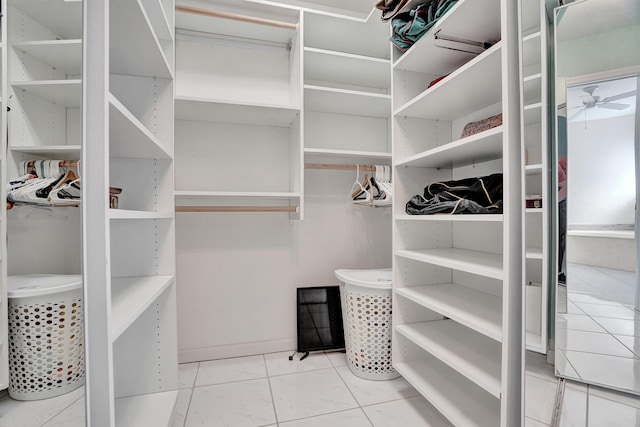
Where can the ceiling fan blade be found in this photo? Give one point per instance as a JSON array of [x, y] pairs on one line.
[[577, 113], [612, 106], [619, 96]]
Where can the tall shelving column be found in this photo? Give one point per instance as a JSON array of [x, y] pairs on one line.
[[129, 252], [534, 71], [238, 109], [4, 326], [458, 278], [347, 89]]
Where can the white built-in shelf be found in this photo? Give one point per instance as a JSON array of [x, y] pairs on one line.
[[63, 55], [534, 253], [532, 88], [477, 310], [63, 92], [454, 218], [531, 49], [130, 297], [475, 262], [534, 210], [121, 214], [154, 409], [310, 153], [213, 110], [128, 137], [461, 93], [345, 101], [474, 356], [457, 398], [264, 195], [158, 19], [530, 16], [426, 55], [533, 169], [62, 17], [480, 147], [62, 152], [345, 68], [532, 113], [134, 49]]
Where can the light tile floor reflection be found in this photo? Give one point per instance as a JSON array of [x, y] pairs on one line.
[[271, 391], [597, 335]]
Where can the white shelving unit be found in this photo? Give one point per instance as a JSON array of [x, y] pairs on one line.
[[238, 109], [347, 89], [128, 133], [457, 278], [40, 120], [534, 89]]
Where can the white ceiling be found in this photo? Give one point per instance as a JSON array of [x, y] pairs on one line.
[[605, 89], [588, 17]]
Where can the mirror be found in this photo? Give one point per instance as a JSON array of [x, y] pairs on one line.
[[597, 70]]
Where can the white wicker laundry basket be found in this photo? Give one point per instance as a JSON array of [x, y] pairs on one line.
[[46, 351], [366, 313]]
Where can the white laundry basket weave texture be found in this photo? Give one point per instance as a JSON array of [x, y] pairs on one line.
[[366, 306], [46, 351]]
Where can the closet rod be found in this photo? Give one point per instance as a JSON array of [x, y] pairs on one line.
[[236, 17], [330, 166], [236, 208], [62, 164]]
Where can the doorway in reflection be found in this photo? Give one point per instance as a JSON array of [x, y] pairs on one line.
[[598, 327]]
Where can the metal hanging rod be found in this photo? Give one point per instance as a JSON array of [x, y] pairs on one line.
[[330, 166], [293, 209], [62, 164], [236, 17]]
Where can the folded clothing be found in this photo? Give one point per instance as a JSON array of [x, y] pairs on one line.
[[408, 27], [481, 195]]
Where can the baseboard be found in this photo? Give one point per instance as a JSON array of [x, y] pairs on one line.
[[235, 350]]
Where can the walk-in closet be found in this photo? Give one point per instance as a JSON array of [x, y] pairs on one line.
[[301, 213]]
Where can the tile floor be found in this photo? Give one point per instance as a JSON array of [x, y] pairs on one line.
[[269, 390], [598, 334]]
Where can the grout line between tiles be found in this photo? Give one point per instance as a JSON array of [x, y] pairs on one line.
[[186, 414], [557, 404], [273, 401], [82, 396]]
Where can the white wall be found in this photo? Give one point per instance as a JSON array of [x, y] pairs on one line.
[[601, 178], [237, 272]]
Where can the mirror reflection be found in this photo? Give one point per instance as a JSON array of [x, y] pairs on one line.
[[597, 333]]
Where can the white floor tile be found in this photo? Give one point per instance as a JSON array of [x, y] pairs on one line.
[[590, 298], [616, 372], [182, 407], [238, 404], [619, 326], [615, 311], [337, 358], [579, 322], [187, 374], [573, 412], [607, 413], [628, 277], [591, 342], [617, 396], [73, 416], [229, 370], [279, 363], [536, 364], [530, 422], [14, 413], [350, 418], [368, 392], [572, 308], [539, 398], [415, 411], [632, 343], [563, 366], [307, 394]]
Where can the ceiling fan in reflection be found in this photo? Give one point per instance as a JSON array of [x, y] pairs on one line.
[[592, 101]]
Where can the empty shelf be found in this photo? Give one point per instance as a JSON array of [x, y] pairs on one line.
[[455, 218], [64, 92], [63, 55], [476, 262], [477, 310], [472, 355], [343, 101]]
